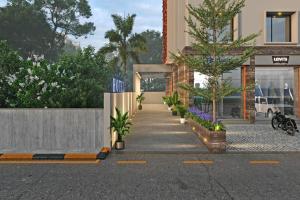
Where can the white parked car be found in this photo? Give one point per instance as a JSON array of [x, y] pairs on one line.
[[267, 105]]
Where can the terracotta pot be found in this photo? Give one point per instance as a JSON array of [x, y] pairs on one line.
[[140, 107]]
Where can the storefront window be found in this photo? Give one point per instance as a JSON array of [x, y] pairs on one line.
[[230, 107], [278, 27], [274, 91]]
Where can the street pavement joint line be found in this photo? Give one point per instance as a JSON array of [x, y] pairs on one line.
[[197, 162], [79, 162], [138, 162], [264, 162]]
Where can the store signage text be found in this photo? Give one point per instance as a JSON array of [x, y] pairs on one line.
[[281, 59]]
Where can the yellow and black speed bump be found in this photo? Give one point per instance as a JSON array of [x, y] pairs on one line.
[[103, 153], [48, 157]]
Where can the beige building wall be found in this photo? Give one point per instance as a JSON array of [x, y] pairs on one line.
[[251, 20]]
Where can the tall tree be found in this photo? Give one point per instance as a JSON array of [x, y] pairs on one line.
[[65, 18], [208, 26], [123, 43], [153, 55], [25, 29]]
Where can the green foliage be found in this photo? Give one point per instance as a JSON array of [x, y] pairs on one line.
[[120, 124], [153, 55], [175, 99], [153, 84], [76, 81], [140, 98], [124, 44], [208, 23], [207, 124], [182, 110], [25, 29], [168, 100], [65, 18], [41, 27]]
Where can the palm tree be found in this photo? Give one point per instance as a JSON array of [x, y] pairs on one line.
[[123, 44]]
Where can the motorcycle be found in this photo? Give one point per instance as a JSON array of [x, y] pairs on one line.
[[286, 124]]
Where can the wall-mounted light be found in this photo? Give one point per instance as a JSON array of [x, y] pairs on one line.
[[279, 13]]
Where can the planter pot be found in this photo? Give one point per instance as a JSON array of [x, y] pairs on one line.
[[120, 145], [169, 108], [215, 141], [140, 107], [182, 120], [174, 113]]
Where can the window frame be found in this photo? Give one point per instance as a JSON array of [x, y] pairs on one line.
[[275, 14]]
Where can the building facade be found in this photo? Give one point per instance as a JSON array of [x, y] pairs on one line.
[[274, 69]]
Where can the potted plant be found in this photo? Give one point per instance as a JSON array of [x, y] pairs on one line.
[[175, 103], [121, 125], [169, 102], [174, 111], [182, 111], [140, 98], [165, 99]]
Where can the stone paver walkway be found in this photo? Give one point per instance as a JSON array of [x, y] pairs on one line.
[[155, 130], [260, 138]]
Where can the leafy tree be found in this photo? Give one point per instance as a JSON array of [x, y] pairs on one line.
[[92, 76], [153, 55], [64, 18], [208, 26], [41, 27], [25, 29], [124, 44]]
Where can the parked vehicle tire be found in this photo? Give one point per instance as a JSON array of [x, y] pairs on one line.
[[275, 123], [270, 114], [290, 129]]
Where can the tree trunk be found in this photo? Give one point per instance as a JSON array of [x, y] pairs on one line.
[[214, 104]]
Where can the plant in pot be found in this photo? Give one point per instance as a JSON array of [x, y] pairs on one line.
[[140, 98], [121, 125], [164, 99], [175, 103], [169, 102], [182, 112]]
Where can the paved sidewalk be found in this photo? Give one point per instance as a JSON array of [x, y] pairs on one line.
[[155, 130], [260, 138]]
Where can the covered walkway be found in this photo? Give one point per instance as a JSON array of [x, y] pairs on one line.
[[155, 130]]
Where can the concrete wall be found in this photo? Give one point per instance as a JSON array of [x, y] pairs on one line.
[[51, 130], [154, 97]]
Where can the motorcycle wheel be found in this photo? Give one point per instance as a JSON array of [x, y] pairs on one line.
[[275, 123], [290, 129]]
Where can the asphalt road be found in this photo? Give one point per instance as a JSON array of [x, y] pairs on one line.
[[158, 176]]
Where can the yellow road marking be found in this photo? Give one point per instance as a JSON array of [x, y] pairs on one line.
[[205, 162], [264, 162], [124, 162], [50, 162]]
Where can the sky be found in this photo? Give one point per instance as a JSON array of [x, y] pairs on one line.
[[149, 16]]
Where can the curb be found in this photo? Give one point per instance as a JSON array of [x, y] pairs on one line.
[[102, 155]]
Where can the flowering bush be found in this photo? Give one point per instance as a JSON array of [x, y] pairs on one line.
[[205, 119], [75, 81]]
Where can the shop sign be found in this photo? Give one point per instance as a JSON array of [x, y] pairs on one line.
[[280, 59]]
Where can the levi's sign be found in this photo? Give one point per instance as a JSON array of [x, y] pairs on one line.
[[281, 59]]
